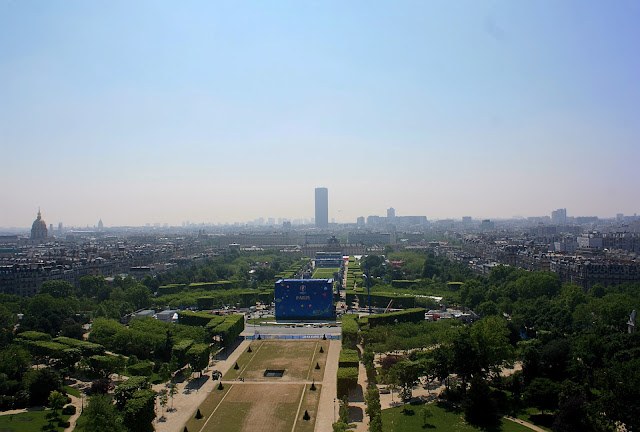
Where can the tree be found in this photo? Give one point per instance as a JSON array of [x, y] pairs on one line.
[[100, 415], [491, 336], [57, 288], [94, 287], [14, 361], [405, 373], [40, 383], [344, 409], [173, 390], [56, 401], [138, 296], [426, 413], [479, 406], [7, 322], [139, 411], [164, 398], [542, 393]]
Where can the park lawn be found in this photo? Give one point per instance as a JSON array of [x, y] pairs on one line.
[[533, 415], [297, 358], [31, 421], [310, 404], [325, 273], [72, 391], [409, 418], [255, 407], [206, 408]]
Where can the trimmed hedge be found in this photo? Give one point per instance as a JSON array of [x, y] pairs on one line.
[[34, 336], [347, 380], [405, 283], [349, 331], [230, 329], [143, 368], [43, 348], [209, 286], [87, 348], [409, 315], [170, 289], [179, 351], [349, 358], [194, 318]]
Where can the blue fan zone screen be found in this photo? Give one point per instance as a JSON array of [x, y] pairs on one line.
[[304, 298]]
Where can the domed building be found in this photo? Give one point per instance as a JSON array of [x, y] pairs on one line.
[[39, 229]]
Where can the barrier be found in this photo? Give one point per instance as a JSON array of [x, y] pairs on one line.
[[296, 337]]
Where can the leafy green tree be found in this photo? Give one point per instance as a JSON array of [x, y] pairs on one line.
[[344, 409], [48, 314], [425, 413], [94, 287], [40, 383], [542, 393], [57, 289], [480, 408], [491, 336], [406, 373], [56, 401], [101, 416], [173, 390], [14, 361], [139, 411], [7, 322], [138, 296]]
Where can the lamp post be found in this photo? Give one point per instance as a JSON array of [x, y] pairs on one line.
[[334, 410]]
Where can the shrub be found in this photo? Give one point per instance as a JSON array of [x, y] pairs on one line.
[[69, 410], [347, 380], [348, 358], [349, 331]]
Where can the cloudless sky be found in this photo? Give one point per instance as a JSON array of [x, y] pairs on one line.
[[157, 111]]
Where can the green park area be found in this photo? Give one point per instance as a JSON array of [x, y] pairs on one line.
[[267, 403], [438, 417], [325, 273], [31, 421]]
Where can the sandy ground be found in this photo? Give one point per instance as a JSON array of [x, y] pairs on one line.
[[190, 397]]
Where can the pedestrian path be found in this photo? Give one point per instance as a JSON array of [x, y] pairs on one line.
[[327, 408]]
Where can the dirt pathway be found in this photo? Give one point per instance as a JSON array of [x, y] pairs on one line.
[[524, 423], [327, 408]]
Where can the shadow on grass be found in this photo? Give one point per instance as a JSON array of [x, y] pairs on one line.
[[356, 394], [545, 420], [355, 414]]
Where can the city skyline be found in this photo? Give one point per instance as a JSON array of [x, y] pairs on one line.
[[219, 113], [277, 221]]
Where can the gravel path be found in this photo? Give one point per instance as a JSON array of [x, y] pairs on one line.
[[329, 388]]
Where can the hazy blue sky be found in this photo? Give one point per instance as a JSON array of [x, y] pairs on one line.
[[157, 111]]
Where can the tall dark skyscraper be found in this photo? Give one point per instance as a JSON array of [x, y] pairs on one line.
[[322, 208]]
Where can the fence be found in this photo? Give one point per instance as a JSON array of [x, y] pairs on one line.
[[276, 336]]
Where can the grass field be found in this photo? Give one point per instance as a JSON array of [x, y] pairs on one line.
[[409, 418], [72, 391], [297, 358], [267, 404], [31, 421], [325, 273]]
